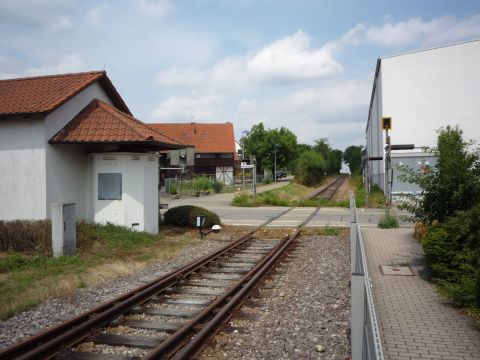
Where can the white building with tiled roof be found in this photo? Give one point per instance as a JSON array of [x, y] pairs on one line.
[[71, 139]]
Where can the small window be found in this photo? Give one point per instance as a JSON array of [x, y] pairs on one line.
[[227, 155], [109, 186]]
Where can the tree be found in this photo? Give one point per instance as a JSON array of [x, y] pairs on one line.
[[452, 184], [261, 142], [333, 157], [322, 146], [353, 157], [311, 168], [334, 161]]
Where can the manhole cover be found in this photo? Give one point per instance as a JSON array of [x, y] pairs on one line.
[[396, 270]]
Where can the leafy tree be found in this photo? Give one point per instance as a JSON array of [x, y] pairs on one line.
[[333, 157], [334, 161], [353, 157], [260, 142], [323, 147], [453, 184], [311, 168], [301, 148]]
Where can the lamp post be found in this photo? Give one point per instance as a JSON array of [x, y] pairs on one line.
[[276, 146]]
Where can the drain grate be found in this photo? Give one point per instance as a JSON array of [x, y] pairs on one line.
[[396, 270]]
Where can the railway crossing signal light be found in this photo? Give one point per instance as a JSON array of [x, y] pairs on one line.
[[386, 123]]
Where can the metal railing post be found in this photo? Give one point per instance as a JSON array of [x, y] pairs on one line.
[[358, 315], [365, 336]]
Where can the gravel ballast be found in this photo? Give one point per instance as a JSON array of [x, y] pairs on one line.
[[49, 313], [303, 312]]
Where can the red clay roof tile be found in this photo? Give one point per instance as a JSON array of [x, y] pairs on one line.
[[100, 122], [43, 94], [207, 138]]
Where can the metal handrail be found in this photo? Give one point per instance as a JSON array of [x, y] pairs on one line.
[[365, 336]]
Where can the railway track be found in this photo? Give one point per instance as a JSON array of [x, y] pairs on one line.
[[171, 317], [329, 190]]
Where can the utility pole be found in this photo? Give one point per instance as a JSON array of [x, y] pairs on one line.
[[276, 146], [254, 182]]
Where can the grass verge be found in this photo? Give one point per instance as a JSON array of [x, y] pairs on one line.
[[104, 251], [376, 199], [290, 195]]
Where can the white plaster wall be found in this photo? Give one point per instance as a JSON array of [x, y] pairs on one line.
[[22, 168], [67, 178], [139, 203], [375, 138], [426, 90]]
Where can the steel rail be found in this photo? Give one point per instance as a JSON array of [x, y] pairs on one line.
[[53, 340], [172, 341], [321, 190], [231, 300]]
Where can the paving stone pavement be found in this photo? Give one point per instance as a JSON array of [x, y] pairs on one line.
[[415, 322]]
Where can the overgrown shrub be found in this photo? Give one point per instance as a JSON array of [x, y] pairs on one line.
[[202, 183], [26, 235], [451, 185], [217, 187], [388, 222], [311, 168], [243, 200], [271, 198], [186, 216], [452, 250]]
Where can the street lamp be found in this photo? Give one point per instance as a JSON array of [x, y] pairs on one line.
[[276, 146], [245, 133]]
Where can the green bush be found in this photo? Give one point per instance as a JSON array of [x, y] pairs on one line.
[[452, 250], [172, 190], [270, 198], [202, 183], [243, 200], [311, 168], [186, 216], [217, 187], [388, 222]]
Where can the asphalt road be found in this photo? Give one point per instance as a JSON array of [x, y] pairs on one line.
[[230, 215]]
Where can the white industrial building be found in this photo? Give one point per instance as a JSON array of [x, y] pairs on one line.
[[71, 139], [421, 91]]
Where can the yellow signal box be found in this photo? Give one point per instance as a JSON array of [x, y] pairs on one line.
[[386, 123]]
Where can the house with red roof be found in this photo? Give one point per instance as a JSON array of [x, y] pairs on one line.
[[71, 138], [214, 150]]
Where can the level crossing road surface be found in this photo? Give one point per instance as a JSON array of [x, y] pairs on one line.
[[238, 216]]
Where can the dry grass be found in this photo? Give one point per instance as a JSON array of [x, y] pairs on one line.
[[104, 252]]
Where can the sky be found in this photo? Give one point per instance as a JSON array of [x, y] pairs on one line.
[[302, 64]]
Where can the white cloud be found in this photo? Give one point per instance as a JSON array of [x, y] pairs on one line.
[[61, 23], [437, 31], [66, 64], [51, 14], [336, 98], [189, 108], [153, 7], [180, 77], [288, 60], [96, 15]]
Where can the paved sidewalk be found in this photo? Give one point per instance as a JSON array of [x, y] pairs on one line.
[[414, 321]]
